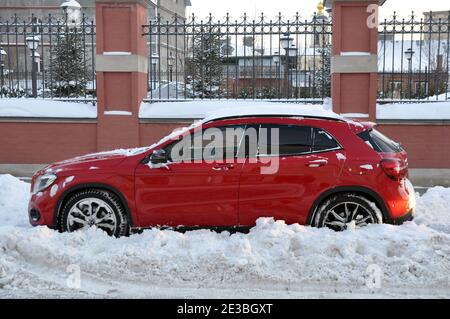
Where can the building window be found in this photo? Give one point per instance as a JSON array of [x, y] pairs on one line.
[[36, 25], [395, 89], [421, 89]]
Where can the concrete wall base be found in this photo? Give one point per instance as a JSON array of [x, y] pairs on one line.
[[430, 177], [20, 170]]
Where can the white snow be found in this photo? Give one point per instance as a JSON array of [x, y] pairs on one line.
[[215, 109], [273, 261], [116, 53], [414, 111], [46, 108], [54, 190], [199, 109], [123, 113], [341, 157], [355, 115], [367, 167], [68, 180], [355, 53], [71, 3]]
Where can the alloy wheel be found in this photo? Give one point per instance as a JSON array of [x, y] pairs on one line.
[[92, 212], [347, 215]]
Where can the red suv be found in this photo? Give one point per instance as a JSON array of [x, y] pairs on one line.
[[319, 169]]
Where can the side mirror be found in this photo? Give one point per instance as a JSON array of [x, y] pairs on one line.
[[159, 157]]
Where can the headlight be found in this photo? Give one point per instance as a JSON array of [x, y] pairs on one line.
[[42, 182]]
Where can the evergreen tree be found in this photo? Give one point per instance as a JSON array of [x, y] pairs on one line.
[[323, 73], [207, 65], [68, 76]]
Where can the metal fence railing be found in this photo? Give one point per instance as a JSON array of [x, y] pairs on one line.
[[239, 59], [249, 58], [413, 57], [47, 58]]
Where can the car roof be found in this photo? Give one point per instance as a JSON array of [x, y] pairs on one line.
[[275, 110]]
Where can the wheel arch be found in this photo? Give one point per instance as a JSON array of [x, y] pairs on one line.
[[81, 187], [364, 191]]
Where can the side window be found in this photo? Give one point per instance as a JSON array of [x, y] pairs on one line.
[[324, 141], [216, 143], [290, 140]]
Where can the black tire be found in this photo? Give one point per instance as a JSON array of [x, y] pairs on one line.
[[343, 211], [109, 205]]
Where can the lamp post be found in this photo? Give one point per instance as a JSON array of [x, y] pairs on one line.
[[276, 60], [287, 43], [33, 44], [72, 12], [409, 55], [155, 59], [170, 63], [3, 54]]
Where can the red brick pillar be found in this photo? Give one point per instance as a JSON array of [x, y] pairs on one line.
[[121, 64], [354, 61]]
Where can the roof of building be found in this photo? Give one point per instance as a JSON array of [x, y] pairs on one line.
[[392, 57]]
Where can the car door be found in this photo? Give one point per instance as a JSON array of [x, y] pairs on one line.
[[198, 192], [304, 171]]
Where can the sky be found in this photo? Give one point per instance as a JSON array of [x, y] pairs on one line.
[[253, 8]]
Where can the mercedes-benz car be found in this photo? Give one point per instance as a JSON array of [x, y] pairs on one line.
[[317, 169]]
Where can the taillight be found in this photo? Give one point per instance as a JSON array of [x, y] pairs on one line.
[[394, 168]]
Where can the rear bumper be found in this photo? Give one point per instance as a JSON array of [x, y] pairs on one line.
[[406, 218]]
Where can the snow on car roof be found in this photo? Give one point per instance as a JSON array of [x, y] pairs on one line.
[[273, 110], [213, 110]]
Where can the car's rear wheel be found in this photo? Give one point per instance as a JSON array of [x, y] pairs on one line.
[[94, 208], [347, 211]]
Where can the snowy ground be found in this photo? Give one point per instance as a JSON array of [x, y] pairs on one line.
[[272, 261]]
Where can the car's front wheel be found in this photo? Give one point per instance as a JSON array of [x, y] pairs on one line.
[[94, 208], [346, 211]]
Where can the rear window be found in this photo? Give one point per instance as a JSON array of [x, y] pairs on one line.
[[380, 142], [324, 142]]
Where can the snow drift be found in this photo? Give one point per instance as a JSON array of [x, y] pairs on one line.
[[273, 260]]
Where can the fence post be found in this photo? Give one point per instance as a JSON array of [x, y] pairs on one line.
[[121, 65], [354, 60]]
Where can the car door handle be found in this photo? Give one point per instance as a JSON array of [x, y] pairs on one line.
[[317, 163], [223, 167]]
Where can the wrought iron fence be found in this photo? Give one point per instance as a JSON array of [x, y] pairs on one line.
[[44, 57], [239, 59], [249, 58], [413, 57]]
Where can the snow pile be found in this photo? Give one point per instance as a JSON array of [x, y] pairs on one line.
[[46, 108], [418, 111], [14, 197], [274, 259], [212, 108], [435, 205]]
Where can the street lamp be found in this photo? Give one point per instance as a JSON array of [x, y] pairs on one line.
[[3, 55], [170, 63], [155, 60], [72, 12], [409, 55], [276, 60], [33, 44], [287, 43]]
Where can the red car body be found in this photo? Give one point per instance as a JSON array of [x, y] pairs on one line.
[[208, 194]]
